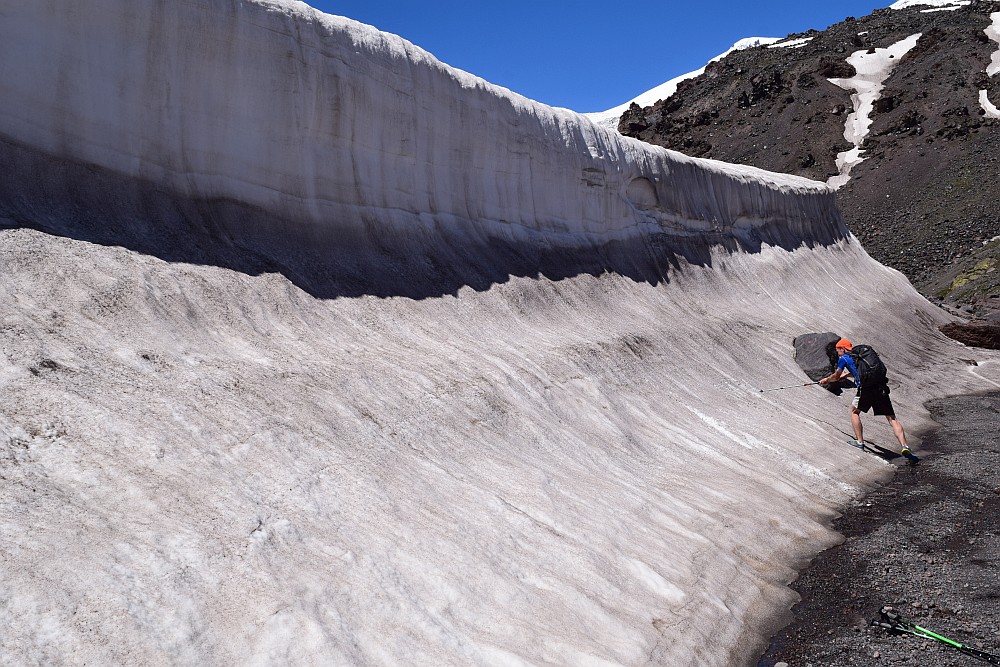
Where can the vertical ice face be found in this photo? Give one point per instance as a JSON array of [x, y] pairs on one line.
[[610, 117], [331, 126]]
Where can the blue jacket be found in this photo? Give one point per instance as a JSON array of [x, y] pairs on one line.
[[846, 361]]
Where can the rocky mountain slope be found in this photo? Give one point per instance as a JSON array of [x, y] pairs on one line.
[[925, 198]]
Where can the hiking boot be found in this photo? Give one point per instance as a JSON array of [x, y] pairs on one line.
[[905, 451]]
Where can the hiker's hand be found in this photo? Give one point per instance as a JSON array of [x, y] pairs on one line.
[[825, 380]]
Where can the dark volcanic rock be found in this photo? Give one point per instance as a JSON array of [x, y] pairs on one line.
[[815, 354], [924, 201], [976, 334]]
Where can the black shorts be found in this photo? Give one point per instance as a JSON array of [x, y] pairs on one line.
[[876, 398]]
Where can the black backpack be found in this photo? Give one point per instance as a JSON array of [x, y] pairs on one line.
[[871, 370]]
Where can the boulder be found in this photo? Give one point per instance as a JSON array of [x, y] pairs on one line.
[[816, 355], [977, 333]]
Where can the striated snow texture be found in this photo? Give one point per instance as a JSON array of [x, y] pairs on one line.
[[314, 350], [293, 130]]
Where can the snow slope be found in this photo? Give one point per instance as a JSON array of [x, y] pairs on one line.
[[317, 351]]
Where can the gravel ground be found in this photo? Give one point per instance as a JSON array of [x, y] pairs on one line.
[[927, 544]]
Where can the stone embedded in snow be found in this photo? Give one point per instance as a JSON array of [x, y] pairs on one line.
[[816, 355], [227, 436], [791, 43], [812, 353]]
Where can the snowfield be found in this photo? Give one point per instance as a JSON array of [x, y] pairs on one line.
[[314, 350]]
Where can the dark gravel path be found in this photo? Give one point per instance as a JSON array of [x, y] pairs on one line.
[[927, 544]]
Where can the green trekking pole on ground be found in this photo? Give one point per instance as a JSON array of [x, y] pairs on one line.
[[898, 625], [807, 384]]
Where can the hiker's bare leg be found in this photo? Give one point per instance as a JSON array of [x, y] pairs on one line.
[[897, 428], [856, 423]]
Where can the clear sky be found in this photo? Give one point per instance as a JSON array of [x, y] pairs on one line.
[[587, 55]]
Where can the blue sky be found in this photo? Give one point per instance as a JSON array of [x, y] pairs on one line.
[[587, 55]]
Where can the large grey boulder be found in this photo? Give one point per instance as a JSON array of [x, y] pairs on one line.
[[816, 355]]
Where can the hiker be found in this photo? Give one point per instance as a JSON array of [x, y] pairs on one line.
[[874, 395]]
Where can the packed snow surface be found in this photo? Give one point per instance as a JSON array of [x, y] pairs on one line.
[[317, 351]]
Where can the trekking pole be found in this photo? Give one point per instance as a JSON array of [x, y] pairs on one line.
[[898, 625], [807, 384]]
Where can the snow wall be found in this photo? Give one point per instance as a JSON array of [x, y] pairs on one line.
[[318, 351], [318, 140]]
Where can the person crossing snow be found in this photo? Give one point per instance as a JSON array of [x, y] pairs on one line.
[[873, 390]]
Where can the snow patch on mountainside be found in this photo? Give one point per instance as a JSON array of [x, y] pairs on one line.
[[993, 32], [866, 86], [939, 5], [663, 91]]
